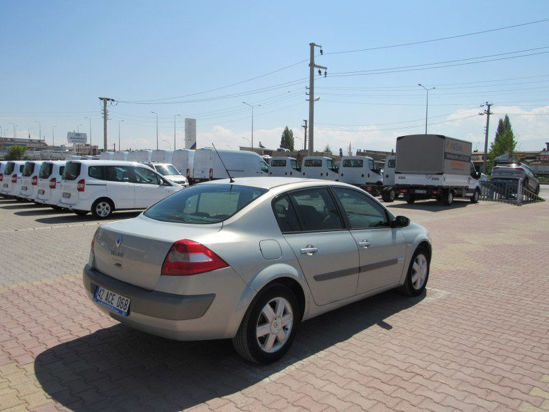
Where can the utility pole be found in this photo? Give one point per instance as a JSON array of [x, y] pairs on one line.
[[488, 114], [427, 89], [312, 67], [105, 118], [305, 134]]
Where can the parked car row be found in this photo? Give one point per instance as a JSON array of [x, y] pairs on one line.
[[83, 186], [208, 164]]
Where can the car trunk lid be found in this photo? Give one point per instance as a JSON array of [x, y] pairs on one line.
[[134, 250]]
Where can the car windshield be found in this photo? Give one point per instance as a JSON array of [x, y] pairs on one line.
[[166, 170], [204, 204]]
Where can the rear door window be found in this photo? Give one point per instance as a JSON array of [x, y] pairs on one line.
[[45, 170], [316, 210], [29, 169], [72, 170]]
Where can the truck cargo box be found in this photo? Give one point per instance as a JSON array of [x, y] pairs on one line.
[[432, 154]]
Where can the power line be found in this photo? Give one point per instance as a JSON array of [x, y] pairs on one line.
[[392, 46], [445, 63]]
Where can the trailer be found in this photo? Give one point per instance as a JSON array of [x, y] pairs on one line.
[[434, 166]]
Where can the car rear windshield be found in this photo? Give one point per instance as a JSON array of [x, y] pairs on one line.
[[204, 204], [72, 170], [45, 170], [29, 169], [9, 168]]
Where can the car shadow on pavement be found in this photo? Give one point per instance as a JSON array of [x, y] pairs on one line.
[[21, 204], [430, 206], [39, 212], [120, 368], [70, 217]]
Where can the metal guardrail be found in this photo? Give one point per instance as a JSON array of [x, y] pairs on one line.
[[508, 191]]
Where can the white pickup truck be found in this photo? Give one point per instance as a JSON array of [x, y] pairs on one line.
[[434, 166]]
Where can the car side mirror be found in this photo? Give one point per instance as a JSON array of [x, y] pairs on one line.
[[400, 221]]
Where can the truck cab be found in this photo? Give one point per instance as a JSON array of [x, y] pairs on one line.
[[319, 167]]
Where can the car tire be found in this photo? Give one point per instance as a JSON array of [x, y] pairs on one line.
[[418, 273], [269, 325], [475, 197], [448, 197], [410, 199], [537, 189], [102, 208]]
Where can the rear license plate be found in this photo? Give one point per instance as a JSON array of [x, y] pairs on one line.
[[66, 195], [24, 188], [112, 300], [41, 191], [420, 191]]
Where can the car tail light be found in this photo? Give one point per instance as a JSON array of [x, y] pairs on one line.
[[1, 177], [188, 173], [93, 241], [403, 190], [34, 180], [187, 257], [81, 185], [14, 178], [53, 183], [211, 173]]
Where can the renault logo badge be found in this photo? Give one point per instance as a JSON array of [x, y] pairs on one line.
[[119, 240]]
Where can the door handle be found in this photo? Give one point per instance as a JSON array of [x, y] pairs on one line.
[[364, 244], [309, 250]]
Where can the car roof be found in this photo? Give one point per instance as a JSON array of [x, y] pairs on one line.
[[106, 162], [271, 182]]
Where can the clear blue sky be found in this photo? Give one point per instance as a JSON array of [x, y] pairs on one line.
[[58, 57]]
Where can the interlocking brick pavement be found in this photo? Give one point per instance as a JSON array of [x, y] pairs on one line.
[[478, 339]]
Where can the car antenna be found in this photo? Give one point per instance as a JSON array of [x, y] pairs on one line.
[[223, 163]]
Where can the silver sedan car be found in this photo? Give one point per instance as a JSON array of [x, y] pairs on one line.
[[249, 259]]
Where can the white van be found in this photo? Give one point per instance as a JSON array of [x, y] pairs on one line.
[[2, 167], [284, 166], [102, 186], [120, 156], [11, 181], [359, 171], [49, 183], [319, 167], [170, 172], [389, 171], [208, 166], [162, 156], [29, 180], [183, 160], [140, 156]]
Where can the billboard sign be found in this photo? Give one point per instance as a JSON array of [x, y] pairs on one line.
[[77, 138]]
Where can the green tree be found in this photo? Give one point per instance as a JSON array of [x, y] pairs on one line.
[[504, 142], [287, 139], [16, 152]]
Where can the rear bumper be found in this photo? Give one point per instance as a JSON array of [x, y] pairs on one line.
[[151, 303], [180, 317]]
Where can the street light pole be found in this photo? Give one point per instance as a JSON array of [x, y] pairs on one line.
[[120, 121], [252, 106], [174, 130], [427, 103], [156, 129]]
